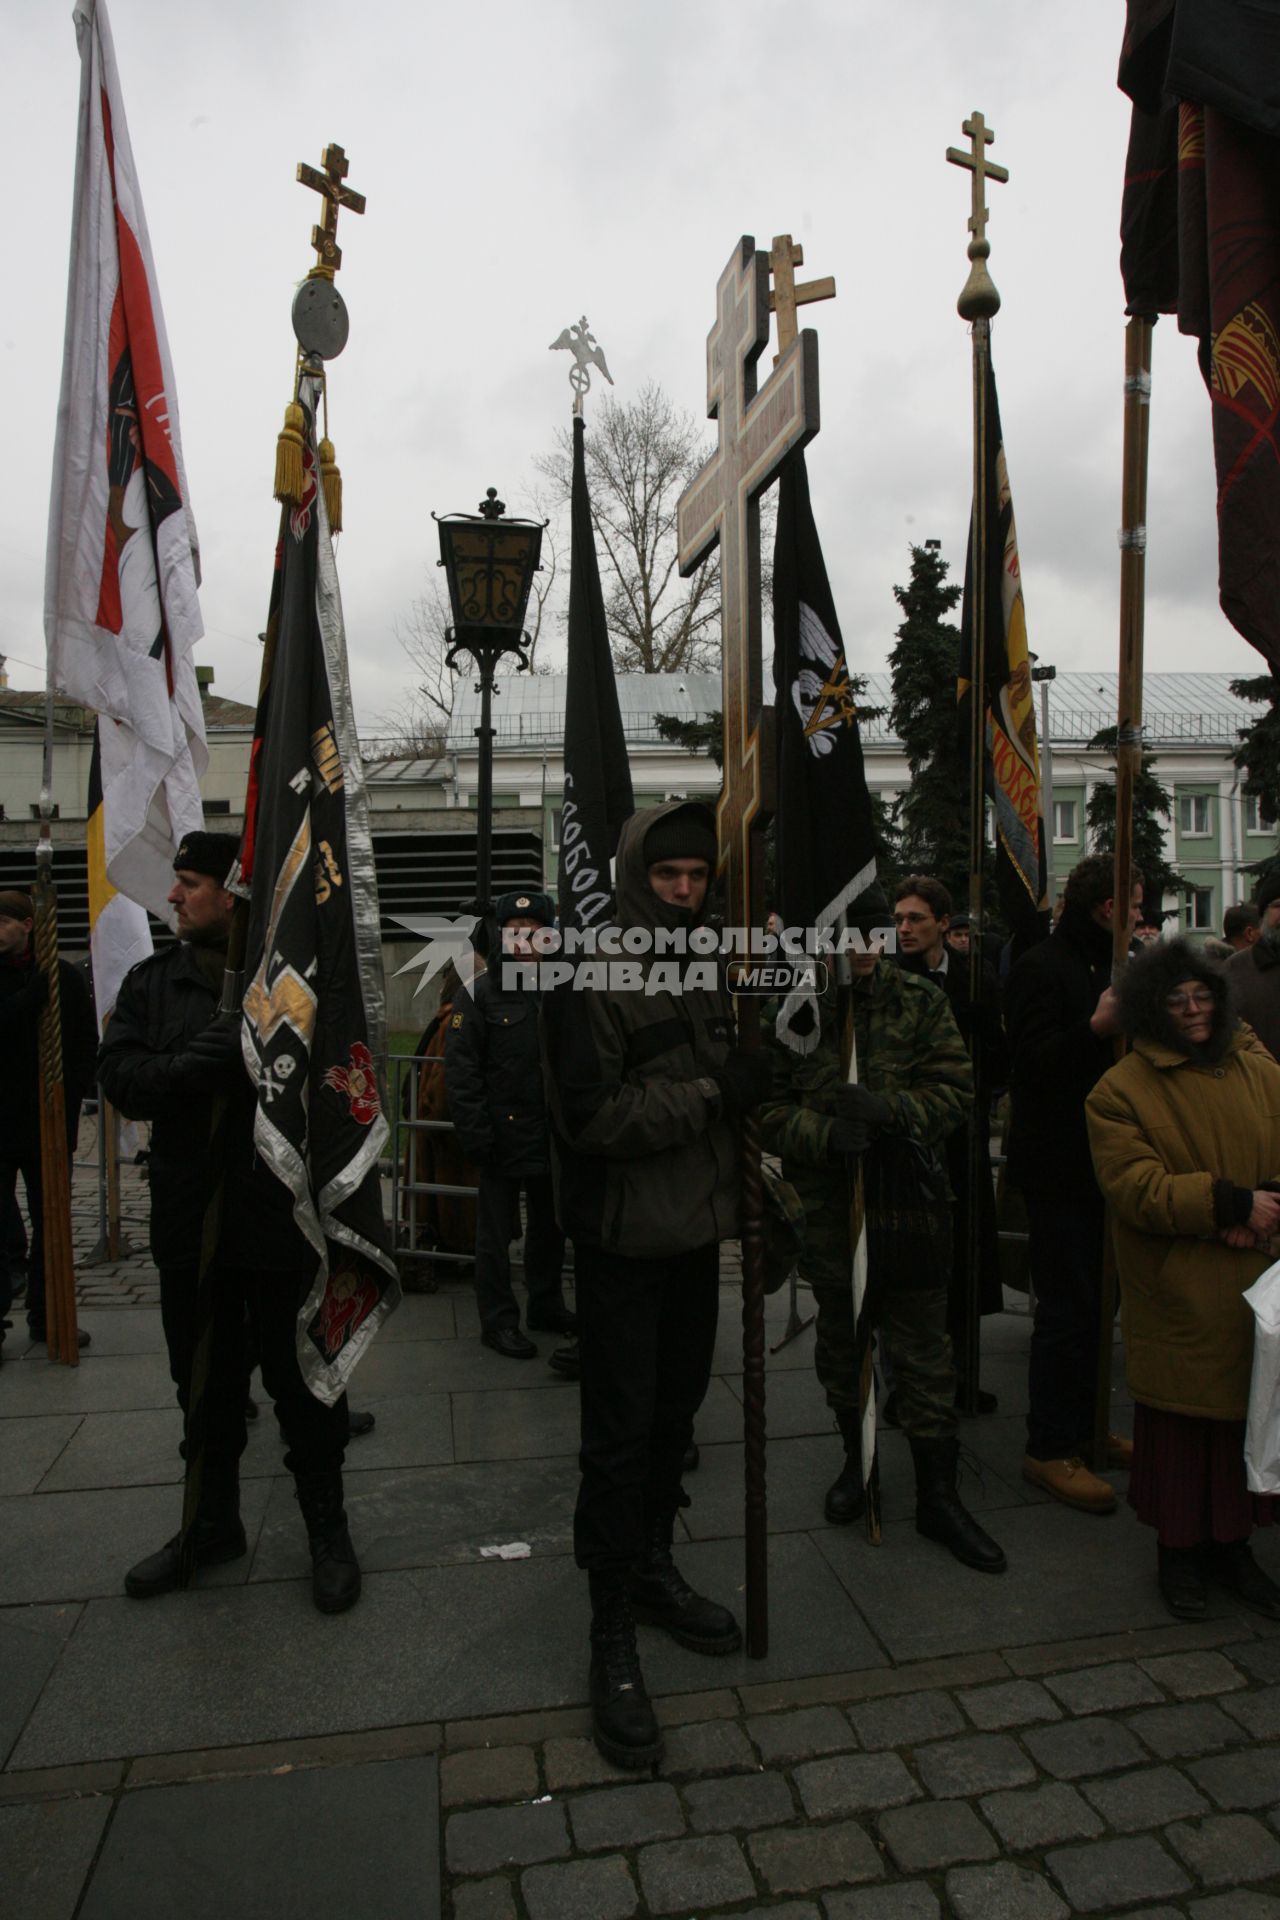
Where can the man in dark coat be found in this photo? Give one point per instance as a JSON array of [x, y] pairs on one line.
[[493, 1075], [922, 917], [23, 991], [1062, 1016], [1254, 972], [645, 1088], [166, 1056]]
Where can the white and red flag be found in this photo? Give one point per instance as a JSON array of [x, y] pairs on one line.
[[122, 612]]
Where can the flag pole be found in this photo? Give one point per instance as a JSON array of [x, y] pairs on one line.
[[1133, 581], [55, 1173], [978, 303]]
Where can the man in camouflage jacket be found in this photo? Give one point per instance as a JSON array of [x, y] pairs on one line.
[[914, 1085]]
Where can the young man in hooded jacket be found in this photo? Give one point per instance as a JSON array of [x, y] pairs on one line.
[[645, 1089]]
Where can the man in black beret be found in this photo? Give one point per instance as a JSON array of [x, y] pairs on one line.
[[1254, 972], [23, 992], [494, 1081], [166, 1056]]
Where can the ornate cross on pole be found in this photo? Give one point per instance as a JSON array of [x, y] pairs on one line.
[[720, 507], [979, 299], [328, 185], [784, 258]]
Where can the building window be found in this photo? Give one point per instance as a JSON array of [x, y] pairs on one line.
[[217, 806], [1193, 815], [1200, 910], [35, 810], [1255, 820], [1064, 820], [557, 819]]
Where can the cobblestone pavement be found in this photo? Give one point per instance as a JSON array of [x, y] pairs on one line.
[[1133, 1773]]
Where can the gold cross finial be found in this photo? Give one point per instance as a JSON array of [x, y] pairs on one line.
[[979, 299], [328, 184], [786, 296]]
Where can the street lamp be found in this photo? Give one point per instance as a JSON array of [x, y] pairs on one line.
[[489, 563]]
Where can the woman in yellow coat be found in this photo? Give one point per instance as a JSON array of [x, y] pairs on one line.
[[1185, 1133]]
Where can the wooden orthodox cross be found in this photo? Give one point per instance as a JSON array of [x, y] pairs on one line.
[[720, 507], [328, 184]]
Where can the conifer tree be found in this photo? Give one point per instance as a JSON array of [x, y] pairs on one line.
[[1258, 755], [933, 813], [1152, 804]]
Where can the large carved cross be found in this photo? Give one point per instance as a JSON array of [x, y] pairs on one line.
[[721, 506], [328, 185]]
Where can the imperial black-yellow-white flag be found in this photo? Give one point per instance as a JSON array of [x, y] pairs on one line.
[[121, 608], [119, 931], [1012, 769], [313, 1004]]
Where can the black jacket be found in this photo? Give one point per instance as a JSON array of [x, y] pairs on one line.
[[145, 1071], [20, 1003], [1056, 1058], [493, 1075]]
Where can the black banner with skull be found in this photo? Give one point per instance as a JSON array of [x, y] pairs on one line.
[[824, 836]]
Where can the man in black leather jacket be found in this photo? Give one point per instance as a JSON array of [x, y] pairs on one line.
[[167, 1054], [493, 1075]]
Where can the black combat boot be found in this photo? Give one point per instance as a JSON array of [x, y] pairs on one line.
[[660, 1596], [622, 1719], [218, 1538], [846, 1500], [335, 1571], [939, 1513]]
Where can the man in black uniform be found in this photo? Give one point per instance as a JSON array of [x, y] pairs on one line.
[[645, 1088], [165, 1057], [494, 1081], [23, 992]]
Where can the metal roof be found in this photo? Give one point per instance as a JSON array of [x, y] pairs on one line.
[[1185, 708]]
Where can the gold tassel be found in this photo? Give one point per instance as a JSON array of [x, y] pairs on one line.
[[331, 475], [289, 472]]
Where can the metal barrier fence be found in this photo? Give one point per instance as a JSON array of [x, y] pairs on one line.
[[408, 1123]]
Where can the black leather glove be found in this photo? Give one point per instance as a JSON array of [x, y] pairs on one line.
[[745, 1081], [848, 1136], [869, 1110], [213, 1059]]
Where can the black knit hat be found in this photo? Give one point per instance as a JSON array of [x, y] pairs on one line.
[[530, 906], [685, 834], [871, 910], [211, 853]]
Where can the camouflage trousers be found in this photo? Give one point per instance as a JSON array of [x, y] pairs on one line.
[[912, 1318]]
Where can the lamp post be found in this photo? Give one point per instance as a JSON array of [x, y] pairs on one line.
[[489, 562], [1044, 675]]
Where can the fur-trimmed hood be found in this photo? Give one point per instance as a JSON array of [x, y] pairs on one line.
[[1152, 976]]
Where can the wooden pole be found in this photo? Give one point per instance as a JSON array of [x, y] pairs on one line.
[[1133, 576]]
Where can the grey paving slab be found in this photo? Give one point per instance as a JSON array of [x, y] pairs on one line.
[[1146, 1797], [1041, 1816], [1247, 1779], [422, 1316], [904, 1719], [413, 1430], [707, 1746], [580, 1890], [256, 1846], [979, 1763], [31, 1640], [746, 1800], [921, 1603], [904, 1900], [119, 1450], [449, 1366], [797, 1356], [1108, 1874], [47, 1849], [431, 1516], [525, 1424], [121, 1329], [786, 1737], [505, 1836], [1104, 1689], [679, 1876], [102, 1383], [29, 1445], [76, 1546], [1009, 1703], [1227, 1849], [1003, 1891], [230, 1667], [799, 1473], [794, 1402], [853, 1783], [795, 1860]]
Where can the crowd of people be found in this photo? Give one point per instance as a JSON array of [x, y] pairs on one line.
[[617, 1114]]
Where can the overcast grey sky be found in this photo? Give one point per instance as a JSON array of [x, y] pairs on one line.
[[524, 165]]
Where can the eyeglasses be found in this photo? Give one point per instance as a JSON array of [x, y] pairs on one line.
[[1199, 998]]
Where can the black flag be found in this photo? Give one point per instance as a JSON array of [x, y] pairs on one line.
[[313, 965], [824, 834], [597, 775]]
